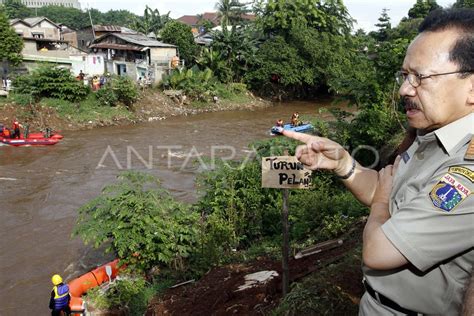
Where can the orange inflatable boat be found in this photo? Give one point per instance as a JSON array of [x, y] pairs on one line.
[[80, 285]]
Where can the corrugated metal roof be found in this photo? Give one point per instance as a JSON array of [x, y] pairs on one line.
[[38, 19], [138, 39], [116, 46]]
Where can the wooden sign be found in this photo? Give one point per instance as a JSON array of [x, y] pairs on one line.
[[284, 172]]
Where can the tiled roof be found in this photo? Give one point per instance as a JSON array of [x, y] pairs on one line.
[[188, 19], [192, 20]]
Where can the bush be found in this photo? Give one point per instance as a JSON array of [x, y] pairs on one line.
[[125, 90], [106, 96], [195, 83], [125, 292], [51, 82], [141, 222]]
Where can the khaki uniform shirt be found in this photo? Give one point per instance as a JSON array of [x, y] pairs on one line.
[[431, 224]]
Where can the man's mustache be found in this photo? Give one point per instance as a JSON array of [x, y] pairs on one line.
[[410, 104]]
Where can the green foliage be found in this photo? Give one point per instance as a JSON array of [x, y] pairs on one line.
[[141, 222], [16, 9], [51, 82], [239, 209], [213, 60], [197, 84], [280, 16], [230, 12], [125, 89], [421, 8], [383, 26], [87, 110], [117, 17], [180, 34], [71, 17], [236, 49], [11, 44], [127, 292], [151, 22], [118, 89], [464, 4], [106, 95]]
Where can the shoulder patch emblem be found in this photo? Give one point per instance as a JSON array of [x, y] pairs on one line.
[[463, 171], [448, 193]]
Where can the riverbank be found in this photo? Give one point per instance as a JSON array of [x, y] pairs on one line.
[[153, 105]]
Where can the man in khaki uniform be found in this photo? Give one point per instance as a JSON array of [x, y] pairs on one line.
[[418, 243]]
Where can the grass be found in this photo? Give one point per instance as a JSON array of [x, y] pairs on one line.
[[87, 110]]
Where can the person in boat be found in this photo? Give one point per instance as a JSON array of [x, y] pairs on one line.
[[60, 297], [16, 129], [418, 246], [279, 123], [295, 119]]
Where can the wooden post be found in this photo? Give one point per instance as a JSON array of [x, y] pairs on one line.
[[286, 245], [285, 251]]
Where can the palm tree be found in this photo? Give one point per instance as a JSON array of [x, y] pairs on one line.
[[230, 12], [152, 22]]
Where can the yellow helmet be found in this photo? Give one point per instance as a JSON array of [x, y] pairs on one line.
[[56, 279]]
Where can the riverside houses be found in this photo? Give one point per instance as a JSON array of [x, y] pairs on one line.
[[135, 55]]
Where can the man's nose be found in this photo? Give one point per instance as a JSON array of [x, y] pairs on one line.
[[406, 89]]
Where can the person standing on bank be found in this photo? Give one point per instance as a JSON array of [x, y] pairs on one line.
[[418, 244], [59, 301]]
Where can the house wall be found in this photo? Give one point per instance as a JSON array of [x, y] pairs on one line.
[[90, 64], [84, 38], [162, 55], [71, 38], [49, 30]]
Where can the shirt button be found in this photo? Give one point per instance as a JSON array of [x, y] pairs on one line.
[[420, 155]]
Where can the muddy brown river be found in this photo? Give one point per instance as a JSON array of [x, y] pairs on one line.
[[41, 188]]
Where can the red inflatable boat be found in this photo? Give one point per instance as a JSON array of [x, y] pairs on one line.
[[29, 141], [33, 139]]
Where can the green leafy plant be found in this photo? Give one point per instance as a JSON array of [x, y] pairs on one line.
[[49, 81], [126, 292], [140, 222], [125, 90], [107, 96]]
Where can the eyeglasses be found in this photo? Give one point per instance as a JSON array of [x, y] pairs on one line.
[[415, 79]]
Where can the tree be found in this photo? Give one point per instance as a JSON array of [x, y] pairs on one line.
[[11, 44], [230, 12], [180, 35], [464, 4], [118, 17], [152, 22], [72, 17], [384, 26], [16, 9], [421, 8], [280, 16]]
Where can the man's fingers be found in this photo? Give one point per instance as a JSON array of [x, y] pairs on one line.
[[305, 138]]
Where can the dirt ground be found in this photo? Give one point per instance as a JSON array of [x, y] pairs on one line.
[[215, 293], [153, 105]]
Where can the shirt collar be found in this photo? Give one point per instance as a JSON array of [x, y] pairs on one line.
[[453, 133]]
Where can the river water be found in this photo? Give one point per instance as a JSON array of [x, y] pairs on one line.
[[41, 188]]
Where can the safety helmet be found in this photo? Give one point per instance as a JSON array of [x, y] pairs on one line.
[[56, 279]]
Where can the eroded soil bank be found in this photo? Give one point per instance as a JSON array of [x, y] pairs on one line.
[[152, 106]]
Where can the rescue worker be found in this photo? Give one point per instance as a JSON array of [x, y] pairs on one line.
[[16, 129], [279, 123], [295, 119], [60, 297], [418, 246]]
